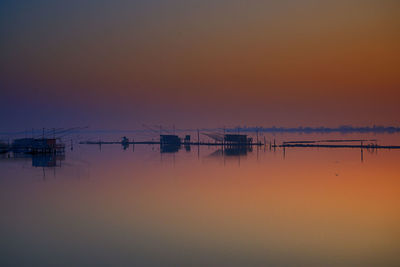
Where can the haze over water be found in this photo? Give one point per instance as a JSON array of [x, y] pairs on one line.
[[287, 66], [109, 206]]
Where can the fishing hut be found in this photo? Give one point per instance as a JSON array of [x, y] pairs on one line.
[[170, 143], [237, 139], [38, 146], [187, 139], [170, 139], [4, 148]]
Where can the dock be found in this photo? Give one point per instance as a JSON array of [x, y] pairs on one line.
[[171, 139], [4, 148], [37, 146], [159, 143], [363, 144], [340, 146]]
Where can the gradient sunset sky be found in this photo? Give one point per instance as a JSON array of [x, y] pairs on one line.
[[118, 64]]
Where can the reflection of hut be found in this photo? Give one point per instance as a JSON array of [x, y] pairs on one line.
[[169, 148], [232, 151], [237, 150], [38, 159], [47, 160]]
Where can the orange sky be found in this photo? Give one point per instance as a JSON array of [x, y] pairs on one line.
[[210, 63]]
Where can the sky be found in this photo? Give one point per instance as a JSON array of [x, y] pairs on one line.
[[119, 64]]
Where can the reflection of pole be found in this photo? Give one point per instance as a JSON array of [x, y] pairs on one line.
[[258, 148], [362, 155], [223, 140], [223, 155], [362, 152], [257, 134], [284, 152]]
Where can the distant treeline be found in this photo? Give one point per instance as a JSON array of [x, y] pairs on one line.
[[341, 129]]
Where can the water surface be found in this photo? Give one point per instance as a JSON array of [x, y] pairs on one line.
[[110, 206]]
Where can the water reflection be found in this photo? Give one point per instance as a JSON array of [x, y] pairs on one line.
[[37, 160], [232, 151], [170, 148], [157, 205]]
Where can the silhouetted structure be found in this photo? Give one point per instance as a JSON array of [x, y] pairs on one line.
[[170, 139], [37, 146], [170, 143], [237, 139], [4, 148], [187, 139], [125, 142]]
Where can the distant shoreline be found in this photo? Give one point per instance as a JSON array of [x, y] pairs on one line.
[[242, 129], [341, 129]]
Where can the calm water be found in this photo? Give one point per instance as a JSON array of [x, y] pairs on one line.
[[109, 206]]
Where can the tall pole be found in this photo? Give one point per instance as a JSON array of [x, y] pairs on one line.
[[223, 138], [198, 144], [257, 134]]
